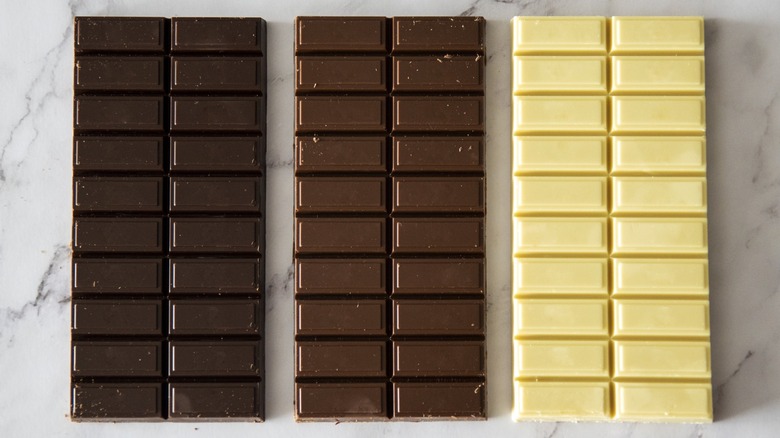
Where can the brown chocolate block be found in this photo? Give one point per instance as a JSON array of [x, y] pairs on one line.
[[341, 359], [438, 317], [432, 74], [215, 317], [365, 401], [217, 34], [340, 276], [323, 74], [438, 276], [417, 194], [216, 194], [217, 154], [196, 401], [217, 74], [439, 400], [340, 195], [438, 358], [119, 194], [115, 73], [438, 34], [116, 317], [215, 358], [359, 114], [438, 114], [116, 359], [119, 34], [340, 235], [438, 154], [341, 318], [116, 401], [118, 113], [438, 235], [217, 114], [340, 154], [340, 34], [121, 154], [117, 276], [216, 276], [216, 235], [132, 235]]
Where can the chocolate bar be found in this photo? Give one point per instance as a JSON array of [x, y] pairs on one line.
[[168, 219], [390, 205]]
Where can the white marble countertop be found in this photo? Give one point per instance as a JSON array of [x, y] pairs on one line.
[[743, 92]]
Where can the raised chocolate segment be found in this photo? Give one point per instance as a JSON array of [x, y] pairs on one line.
[[101, 73], [222, 74], [340, 154], [438, 154], [216, 235], [119, 34], [119, 359], [217, 154], [438, 194], [340, 235], [337, 400], [117, 401], [341, 318], [332, 74], [116, 317], [439, 276], [438, 358], [452, 399], [216, 276], [438, 235], [341, 359], [115, 113], [117, 276], [193, 401], [125, 154], [364, 114], [438, 74], [340, 195], [218, 35], [212, 194], [209, 358], [430, 317], [216, 317], [438, 114], [133, 235], [219, 114], [117, 194], [340, 276], [437, 34], [340, 34]]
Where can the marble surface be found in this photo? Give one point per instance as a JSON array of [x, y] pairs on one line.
[[743, 92]]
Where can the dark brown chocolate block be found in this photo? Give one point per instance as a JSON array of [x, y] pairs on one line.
[[439, 34], [334, 74], [326, 401], [363, 114], [441, 276], [341, 317], [340, 195], [362, 276], [360, 35], [338, 359], [438, 74], [340, 235], [168, 234], [444, 235], [438, 154], [340, 154], [439, 400], [440, 114], [442, 194], [438, 358]]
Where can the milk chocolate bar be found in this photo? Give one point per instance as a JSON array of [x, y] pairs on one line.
[[390, 206], [168, 219]]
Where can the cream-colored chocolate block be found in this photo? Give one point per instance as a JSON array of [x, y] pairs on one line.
[[561, 401], [543, 358], [560, 236], [657, 75], [660, 318], [672, 115], [560, 115], [637, 196], [653, 35], [546, 155], [560, 276], [663, 402], [569, 318], [560, 195], [658, 155], [560, 75], [660, 277], [662, 359], [559, 35], [660, 237]]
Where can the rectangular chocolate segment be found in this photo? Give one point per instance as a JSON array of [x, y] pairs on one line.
[[438, 74], [125, 154], [341, 359], [216, 194], [322, 74], [195, 401], [432, 400], [364, 114], [438, 154], [210, 358], [216, 235], [431, 317], [116, 317], [216, 276], [221, 74], [439, 276], [438, 194], [438, 358], [102, 73], [119, 34], [135, 194], [116, 401], [438, 114], [117, 359], [215, 317], [220, 34], [340, 276], [438, 34], [118, 113], [136, 235], [341, 318], [340, 34], [117, 276], [438, 235], [340, 195], [340, 154], [219, 114], [217, 154], [340, 235], [336, 400]]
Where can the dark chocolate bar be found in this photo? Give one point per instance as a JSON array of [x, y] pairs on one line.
[[168, 234], [390, 206]]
